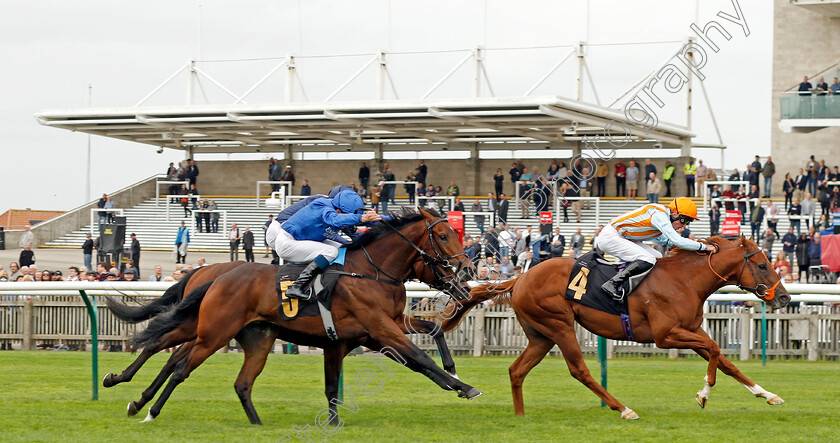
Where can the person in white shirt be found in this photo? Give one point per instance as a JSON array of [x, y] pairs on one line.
[[525, 260], [235, 237], [506, 240]]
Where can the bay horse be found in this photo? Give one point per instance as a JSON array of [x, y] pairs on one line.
[[665, 309], [367, 307], [254, 338]]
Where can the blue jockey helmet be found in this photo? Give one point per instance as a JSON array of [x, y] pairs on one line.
[[334, 191], [348, 201]]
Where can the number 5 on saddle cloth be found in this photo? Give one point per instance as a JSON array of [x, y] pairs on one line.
[[588, 274]]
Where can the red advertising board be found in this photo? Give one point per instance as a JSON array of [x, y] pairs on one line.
[[545, 217], [731, 224], [830, 252], [456, 220]]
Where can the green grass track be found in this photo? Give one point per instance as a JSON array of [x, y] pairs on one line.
[[46, 397]]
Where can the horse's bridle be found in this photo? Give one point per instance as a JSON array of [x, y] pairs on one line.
[[766, 293], [443, 282]]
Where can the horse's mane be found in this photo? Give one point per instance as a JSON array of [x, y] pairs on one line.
[[678, 254], [381, 229]]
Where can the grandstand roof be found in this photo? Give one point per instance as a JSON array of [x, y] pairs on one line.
[[495, 123], [18, 218]]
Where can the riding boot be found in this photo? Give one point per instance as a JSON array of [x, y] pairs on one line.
[[298, 288], [614, 286]]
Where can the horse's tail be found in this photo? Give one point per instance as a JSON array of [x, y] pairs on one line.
[[168, 321], [136, 314], [478, 294]]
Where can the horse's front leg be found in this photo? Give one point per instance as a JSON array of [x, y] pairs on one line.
[[415, 325], [731, 370], [681, 338], [333, 360]]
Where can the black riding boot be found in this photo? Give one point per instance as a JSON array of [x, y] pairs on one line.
[[298, 288], [637, 268]]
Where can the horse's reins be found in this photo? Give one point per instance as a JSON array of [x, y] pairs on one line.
[[766, 293]]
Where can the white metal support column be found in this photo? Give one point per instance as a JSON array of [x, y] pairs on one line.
[[478, 57], [381, 74], [688, 113], [290, 78], [191, 79], [581, 62]]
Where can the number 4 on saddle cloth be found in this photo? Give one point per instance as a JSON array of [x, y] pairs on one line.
[[588, 274], [323, 285]]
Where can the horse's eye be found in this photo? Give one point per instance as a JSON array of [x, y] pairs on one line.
[[762, 266], [442, 236]]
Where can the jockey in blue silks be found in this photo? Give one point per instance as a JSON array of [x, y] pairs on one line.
[[310, 234]]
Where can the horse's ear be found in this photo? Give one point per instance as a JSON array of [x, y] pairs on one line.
[[741, 240]]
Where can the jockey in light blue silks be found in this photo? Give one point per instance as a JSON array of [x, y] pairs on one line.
[[310, 235]]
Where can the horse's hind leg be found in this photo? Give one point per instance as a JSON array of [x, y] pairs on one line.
[[173, 338], [181, 353], [256, 339], [333, 360], [112, 379], [728, 368], [418, 326], [562, 332], [538, 347]]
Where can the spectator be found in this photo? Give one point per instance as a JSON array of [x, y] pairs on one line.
[[130, 274], [808, 209], [558, 244], [201, 262], [390, 188], [667, 176], [632, 181], [305, 189], [478, 219], [288, 175], [182, 241], [135, 251], [420, 178], [423, 169], [768, 239], [793, 214], [274, 173], [172, 175], [789, 244], [506, 240], [87, 251], [421, 192], [515, 175], [835, 87], [753, 196], [503, 208], [585, 188], [383, 197], [772, 213], [196, 208], [459, 206], [214, 216], [822, 87], [620, 178], [27, 256], [756, 218], [364, 176], [158, 275], [788, 188], [802, 259], [768, 171], [470, 249], [577, 243], [453, 190], [491, 242], [834, 206], [374, 198], [601, 173], [101, 205], [14, 271], [505, 268], [492, 203], [801, 183], [649, 167], [564, 203], [234, 236], [815, 251], [483, 274], [192, 173], [690, 171], [805, 87], [714, 220], [571, 191], [654, 187], [702, 173], [248, 244], [526, 260], [27, 237]]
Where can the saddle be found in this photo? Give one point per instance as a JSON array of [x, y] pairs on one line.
[[322, 286], [591, 271]]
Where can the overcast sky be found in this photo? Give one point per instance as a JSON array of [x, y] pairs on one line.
[[52, 50]]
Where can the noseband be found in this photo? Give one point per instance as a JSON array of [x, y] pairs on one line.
[[766, 293]]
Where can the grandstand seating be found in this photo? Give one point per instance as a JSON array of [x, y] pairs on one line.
[[156, 233]]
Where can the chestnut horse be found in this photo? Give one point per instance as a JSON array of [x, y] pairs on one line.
[[367, 308], [666, 309], [256, 339]]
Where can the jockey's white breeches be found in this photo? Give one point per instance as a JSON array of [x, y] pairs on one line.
[[299, 251], [614, 244]]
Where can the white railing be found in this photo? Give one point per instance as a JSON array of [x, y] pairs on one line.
[[190, 199], [708, 183], [222, 225], [167, 182], [558, 208], [450, 199], [260, 183], [95, 213]]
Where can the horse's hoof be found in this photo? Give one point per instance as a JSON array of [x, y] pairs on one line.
[[149, 418], [775, 401], [629, 414], [471, 394], [108, 381], [132, 408], [701, 400]]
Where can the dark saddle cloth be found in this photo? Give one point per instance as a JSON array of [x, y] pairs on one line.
[[588, 274], [322, 285]]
